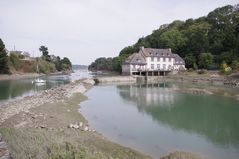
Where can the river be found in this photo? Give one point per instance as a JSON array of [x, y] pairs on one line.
[[20, 88], [158, 118]]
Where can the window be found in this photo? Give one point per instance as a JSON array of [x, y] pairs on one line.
[[158, 66], [152, 58], [164, 67], [152, 66], [169, 59], [164, 59], [158, 59]]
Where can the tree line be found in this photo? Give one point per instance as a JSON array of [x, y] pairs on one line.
[[208, 42], [14, 62]]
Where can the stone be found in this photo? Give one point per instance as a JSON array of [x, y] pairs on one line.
[[86, 128]]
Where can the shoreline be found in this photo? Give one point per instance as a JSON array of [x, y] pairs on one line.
[[35, 113], [48, 117], [17, 76]]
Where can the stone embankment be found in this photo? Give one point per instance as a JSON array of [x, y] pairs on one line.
[[48, 96], [218, 80], [113, 79]]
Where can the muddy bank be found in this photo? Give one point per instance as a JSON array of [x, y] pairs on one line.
[[40, 127]]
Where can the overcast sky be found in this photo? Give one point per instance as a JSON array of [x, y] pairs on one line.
[[86, 29]]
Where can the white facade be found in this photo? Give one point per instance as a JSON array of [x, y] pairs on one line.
[[153, 60], [159, 63]]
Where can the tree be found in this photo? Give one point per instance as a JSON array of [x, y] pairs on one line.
[[45, 53], [205, 60], [4, 67], [66, 64], [190, 60]]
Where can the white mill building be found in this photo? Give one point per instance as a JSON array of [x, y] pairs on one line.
[[152, 62]]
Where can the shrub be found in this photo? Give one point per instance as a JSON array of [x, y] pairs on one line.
[[225, 69]]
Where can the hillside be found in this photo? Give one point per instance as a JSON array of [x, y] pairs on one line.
[[216, 34]]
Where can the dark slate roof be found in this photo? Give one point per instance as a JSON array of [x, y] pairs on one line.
[[136, 58], [178, 60], [149, 52]]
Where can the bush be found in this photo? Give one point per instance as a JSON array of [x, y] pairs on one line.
[[15, 61], [225, 69], [45, 67], [235, 65]]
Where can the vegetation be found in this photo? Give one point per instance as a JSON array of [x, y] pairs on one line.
[[15, 62], [4, 68], [204, 42]]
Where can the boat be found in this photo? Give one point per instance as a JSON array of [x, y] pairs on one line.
[[38, 80]]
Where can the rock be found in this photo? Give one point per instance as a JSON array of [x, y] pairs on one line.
[[80, 124], [42, 126], [86, 128]]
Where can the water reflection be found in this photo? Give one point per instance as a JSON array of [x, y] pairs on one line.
[[213, 117], [13, 89]]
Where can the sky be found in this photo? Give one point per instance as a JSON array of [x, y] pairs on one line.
[[84, 30]]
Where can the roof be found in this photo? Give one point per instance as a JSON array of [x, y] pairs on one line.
[[136, 58], [139, 58], [178, 60], [149, 52]]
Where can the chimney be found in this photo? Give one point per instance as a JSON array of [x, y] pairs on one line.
[[169, 49]]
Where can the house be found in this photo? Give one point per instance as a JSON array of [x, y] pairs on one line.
[[149, 61], [23, 55]]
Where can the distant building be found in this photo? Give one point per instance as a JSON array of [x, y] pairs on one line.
[[152, 61], [23, 54]]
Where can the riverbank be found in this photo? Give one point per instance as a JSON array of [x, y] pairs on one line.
[[17, 76], [208, 84], [40, 126], [192, 77]]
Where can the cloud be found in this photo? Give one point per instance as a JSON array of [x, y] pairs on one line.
[[86, 29]]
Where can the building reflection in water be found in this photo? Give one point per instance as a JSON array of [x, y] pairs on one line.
[[150, 95]]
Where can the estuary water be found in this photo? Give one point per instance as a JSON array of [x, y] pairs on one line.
[[20, 88], [158, 118]]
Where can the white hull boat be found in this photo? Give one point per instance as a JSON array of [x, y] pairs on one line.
[[38, 81]]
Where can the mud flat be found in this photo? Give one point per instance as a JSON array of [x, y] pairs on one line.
[[48, 125]]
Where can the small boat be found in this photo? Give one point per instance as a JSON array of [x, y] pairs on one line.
[[38, 81]]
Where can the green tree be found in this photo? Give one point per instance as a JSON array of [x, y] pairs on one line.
[[205, 60], [190, 60], [4, 67], [66, 64], [45, 53]]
